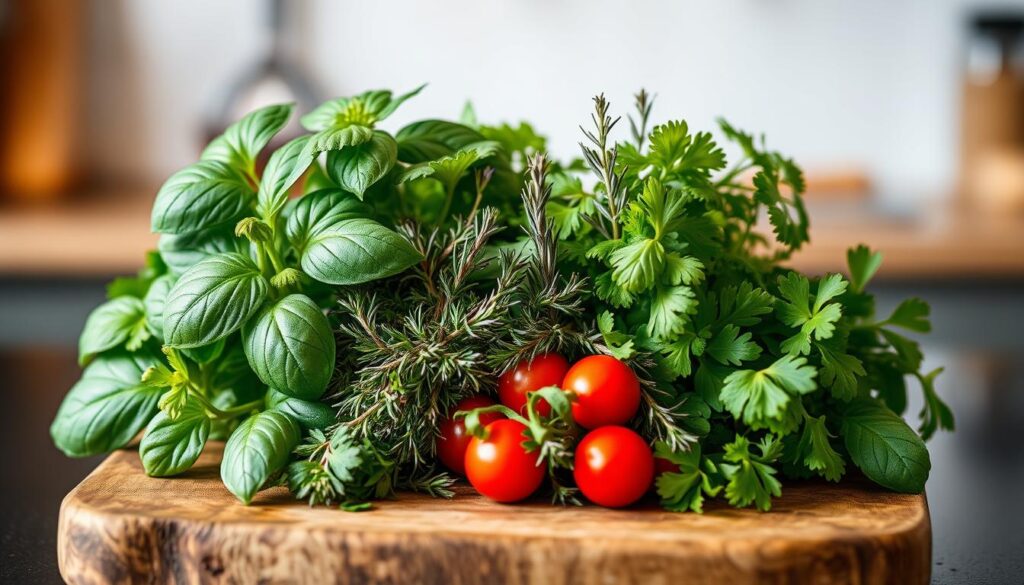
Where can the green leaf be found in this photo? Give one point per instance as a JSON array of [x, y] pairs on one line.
[[685, 489], [816, 451], [290, 346], [355, 251], [205, 354], [429, 140], [183, 251], [119, 321], [759, 395], [817, 320], [203, 196], [449, 169], [863, 265], [619, 345], [935, 414], [243, 140], [356, 168], [731, 348], [636, 266], [309, 414], [744, 305], [839, 370], [911, 314], [674, 149], [751, 478], [884, 447], [670, 307], [170, 447], [337, 138], [787, 216], [317, 212], [258, 449], [212, 300], [908, 351], [683, 269], [107, 407], [284, 168], [156, 299]]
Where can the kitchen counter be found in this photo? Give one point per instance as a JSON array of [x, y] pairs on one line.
[[101, 235]]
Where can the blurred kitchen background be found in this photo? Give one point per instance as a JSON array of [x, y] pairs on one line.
[[907, 116]]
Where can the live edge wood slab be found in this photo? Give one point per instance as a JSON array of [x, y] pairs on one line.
[[119, 526]]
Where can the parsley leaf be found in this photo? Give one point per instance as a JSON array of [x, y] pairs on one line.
[[817, 320], [685, 489], [670, 306], [935, 414], [619, 344], [751, 478], [863, 265], [760, 395], [732, 348], [911, 314], [816, 451]]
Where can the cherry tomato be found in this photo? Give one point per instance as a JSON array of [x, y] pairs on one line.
[[528, 376], [499, 467], [614, 466], [607, 391], [454, 439]]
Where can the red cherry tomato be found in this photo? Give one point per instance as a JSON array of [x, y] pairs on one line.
[[607, 391], [528, 376], [499, 467], [614, 466], [454, 439]]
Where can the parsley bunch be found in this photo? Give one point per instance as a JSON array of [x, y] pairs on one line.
[[794, 375]]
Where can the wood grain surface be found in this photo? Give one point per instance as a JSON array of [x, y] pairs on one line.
[[119, 526]]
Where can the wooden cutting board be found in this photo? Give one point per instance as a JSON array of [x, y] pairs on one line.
[[119, 526]]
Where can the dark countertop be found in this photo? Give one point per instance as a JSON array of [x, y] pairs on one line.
[[974, 490]]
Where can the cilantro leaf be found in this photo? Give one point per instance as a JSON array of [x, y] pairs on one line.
[[816, 451], [817, 320], [863, 265], [744, 305], [678, 353], [935, 414], [760, 395], [619, 344], [911, 314], [839, 370], [636, 266], [751, 478], [670, 307], [732, 348], [675, 150], [683, 269], [685, 489]]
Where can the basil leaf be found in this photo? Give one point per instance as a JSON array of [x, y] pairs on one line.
[[356, 168], [107, 407], [202, 196], [337, 138], [170, 447], [183, 251], [355, 251], [290, 346], [156, 298], [314, 213], [243, 140], [884, 447], [309, 414], [121, 320], [284, 168], [205, 354], [433, 139], [212, 300], [259, 448]]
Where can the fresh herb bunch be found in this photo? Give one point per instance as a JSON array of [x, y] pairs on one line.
[[326, 336], [224, 333], [792, 373]]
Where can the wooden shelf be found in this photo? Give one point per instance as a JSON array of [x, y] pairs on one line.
[[120, 526], [96, 235], [105, 235]]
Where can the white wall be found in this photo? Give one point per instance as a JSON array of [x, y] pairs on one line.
[[871, 83]]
